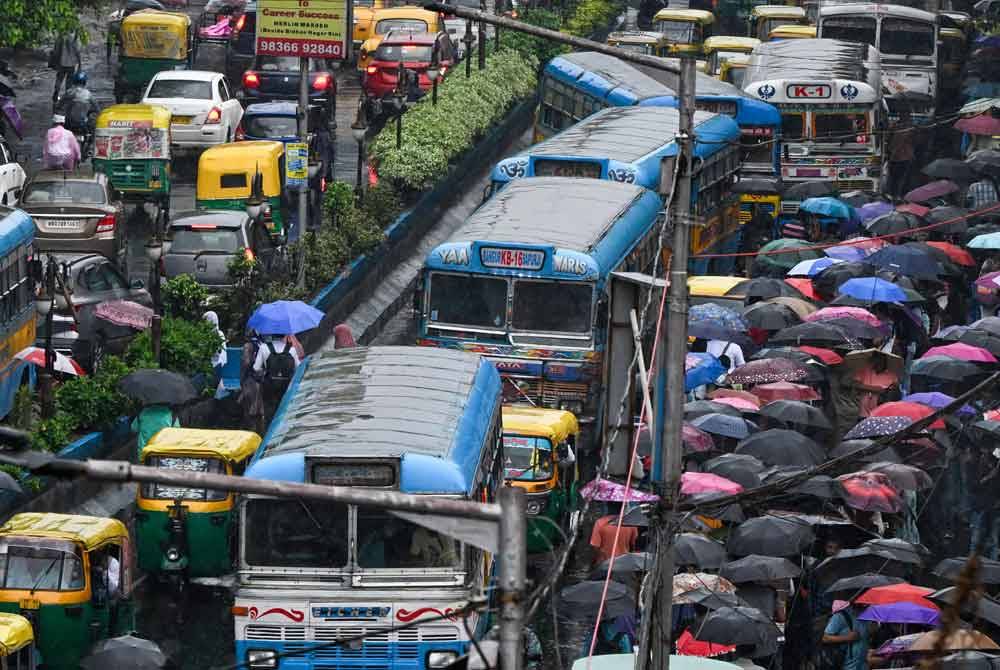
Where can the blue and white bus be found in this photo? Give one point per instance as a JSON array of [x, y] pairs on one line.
[[576, 85], [624, 144], [390, 418], [525, 281]]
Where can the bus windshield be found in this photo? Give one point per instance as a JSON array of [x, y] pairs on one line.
[[527, 459], [388, 542], [468, 301], [153, 491], [906, 37], [679, 32], [552, 306], [842, 128], [850, 29], [793, 126], [41, 564], [646, 49]]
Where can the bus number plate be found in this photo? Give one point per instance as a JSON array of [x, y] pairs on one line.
[[521, 259]]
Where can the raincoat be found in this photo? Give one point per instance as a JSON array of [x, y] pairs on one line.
[[61, 150], [149, 422]]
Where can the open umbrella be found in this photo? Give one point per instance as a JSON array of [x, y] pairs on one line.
[[871, 492], [950, 168], [125, 313], [985, 162], [696, 408], [688, 646], [983, 124], [724, 425], [804, 286], [692, 582], [846, 447], [766, 371], [878, 426], [970, 660], [157, 387], [853, 562], [987, 241], [763, 288], [906, 260], [698, 550], [800, 306], [701, 368], [818, 333], [625, 568], [903, 612], [605, 490], [778, 446], [284, 317], [739, 403], [937, 400], [989, 324], [871, 290], [714, 322], [812, 267], [770, 316], [857, 313], [858, 199], [962, 352], [893, 223], [785, 391], [693, 483], [770, 536], [951, 568], [754, 568], [956, 254], [825, 356], [911, 410], [855, 584], [785, 253], [619, 600], [945, 368], [719, 393], [694, 440], [740, 468], [829, 280], [906, 551], [739, 626], [831, 207], [935, 189], [982, 607], [897, 593], [873, 210], [809, 189], [60, 363], [958, 639], [125, 653], [823, 487], [797, 412]]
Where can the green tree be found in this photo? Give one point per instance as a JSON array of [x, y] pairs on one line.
[[27, 23]]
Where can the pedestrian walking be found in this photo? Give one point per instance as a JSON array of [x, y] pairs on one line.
[[845, 640], [61, 150], [251, 396], [220, 357], [602, 538], [277, 358], [151, 420], [65, 59], [901, 155]]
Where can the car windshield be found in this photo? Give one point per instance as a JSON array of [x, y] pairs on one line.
[[678, 32], [270, 127], [386, 541], [283, 64], [527, 459], [850, 29], [154, 491], [180, 88], [547, 306], [195, 240], [41, 564], [468, 301], [793, 126], [843, 128], [907, 38], [410, 25], [293, 533], [409, 53], [65, 191]]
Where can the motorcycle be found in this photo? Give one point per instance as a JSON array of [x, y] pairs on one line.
[[10, 118]]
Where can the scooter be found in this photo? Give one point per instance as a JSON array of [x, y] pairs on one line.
[[10, 118]]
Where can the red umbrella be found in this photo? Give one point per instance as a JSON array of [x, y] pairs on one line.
[[870, 491], [912, 410], [804, 286], [785, 391], [693, 483], [828, 356], [60, 362], [963, 352], [983, 124], [955, 253], [688, 646], [897, 593], [733, 393], [913, 208]]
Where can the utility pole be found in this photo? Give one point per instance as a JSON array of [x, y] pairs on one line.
[[512, 568], [655, 647], [303, 118]]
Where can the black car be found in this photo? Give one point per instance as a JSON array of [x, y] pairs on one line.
[[242, 42], [273, 78], [204, 243]]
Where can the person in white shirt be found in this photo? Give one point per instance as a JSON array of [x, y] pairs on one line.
[[279, 343], [733, 351]]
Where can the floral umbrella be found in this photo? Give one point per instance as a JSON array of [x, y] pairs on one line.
[[687, 582], [878, 426], [768, 370], [125, 313], [605, 490], [857, 313], [785, 391], [870, 491]]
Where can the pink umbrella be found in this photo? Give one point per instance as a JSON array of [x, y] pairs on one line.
[[608, 491], [856, 313], [983, 124], [696, 440], [913, 208], [693, 483], [732, 393], [869, 245], [935, 189], [741, 404], [963, 352], [62, 362], [125, 313]]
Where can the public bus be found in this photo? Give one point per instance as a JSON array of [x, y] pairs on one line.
[[626, 144], [831, 113], [389, 418], [574, 86], [525, 281], [17, 303], [906, 40]]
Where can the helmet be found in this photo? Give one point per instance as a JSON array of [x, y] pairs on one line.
[[79, 78], [58, 118]]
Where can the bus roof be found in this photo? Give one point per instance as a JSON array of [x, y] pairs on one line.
[[812, 59], [556, 425], [430, 408], [858, 8], [16, 228]]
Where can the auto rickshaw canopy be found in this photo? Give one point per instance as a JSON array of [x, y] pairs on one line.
[[227, 445], [132, 132], [555, 425], [152, 33], [636, 37], [90, 531], [729, 43], [121, 116], [15, 633], [792, 32], [699, 16], [710, 286], [221, 166], [777, 12]]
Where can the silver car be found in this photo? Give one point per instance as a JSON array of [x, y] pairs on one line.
[[204, 242]]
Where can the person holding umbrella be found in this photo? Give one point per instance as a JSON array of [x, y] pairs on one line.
[[845, 640], [280, 352], [159, 391]]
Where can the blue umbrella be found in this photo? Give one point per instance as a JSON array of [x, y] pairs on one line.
[[724, 425], [284, 317], [910, 261], [987, 241], [715, 322], [827, 206], [872, 289], [701, 369], [874, 210], [813, 267], [847, 252]]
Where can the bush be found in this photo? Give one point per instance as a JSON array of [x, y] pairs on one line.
[[184, 298], [186, 347], [435, 135], [93, 402], [593, 16], [53, 434], [530, 46]]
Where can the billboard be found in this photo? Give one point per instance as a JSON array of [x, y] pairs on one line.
[[303, 28]]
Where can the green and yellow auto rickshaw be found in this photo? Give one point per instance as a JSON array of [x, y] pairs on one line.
[[184, 533], [17, 643], [70, 576], [132, 147], [151, 41], [685, 30], [538, 458], [226, 173], [640, 41]]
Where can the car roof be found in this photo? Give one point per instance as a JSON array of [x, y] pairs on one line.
[[221, 218], [190, 75], [272, 108], [79, 174], [409, 37]]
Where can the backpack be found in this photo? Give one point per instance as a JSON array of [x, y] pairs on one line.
[[279, 367]]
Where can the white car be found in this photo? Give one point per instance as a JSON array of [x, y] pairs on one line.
[[12, 176], [202, 107]]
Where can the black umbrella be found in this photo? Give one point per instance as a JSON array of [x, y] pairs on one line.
[[756, 185], [754, 568], [696, 408], [847, 562], [985, 162], [829, 280], [906, 260], [946, 368], [125, 653], [724, 425], [764, 288], [823, 487], [950, 168], [955, 215], [856, 329], [897, 547], [950, 568], [703, 501], [626, 568], [889, 454], [815, 333], [983, 607], [981, 338], [737, 625], [700, 551], [989, 324], [778, 446], [968, 659], [585, 596], [809, 189], [893, 223], [740, 468], [770, 316], [797, 412], [946, 267], [857, 199], [157, 387], [989, 427], [770, 536], [712, 600], [857, 584]]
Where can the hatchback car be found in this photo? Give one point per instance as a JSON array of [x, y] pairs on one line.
[[415, 51], [204, 242], [203, 110], [277, 78], [277, 121], [78, 212], [77, 331]]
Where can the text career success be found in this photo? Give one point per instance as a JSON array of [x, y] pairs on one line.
[[316, 28]]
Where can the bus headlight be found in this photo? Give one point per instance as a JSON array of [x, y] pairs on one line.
[[262, 658], [441, 659]]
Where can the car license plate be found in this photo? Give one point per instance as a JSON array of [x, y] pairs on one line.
[[30, 604], [181, 120], [63, 224]]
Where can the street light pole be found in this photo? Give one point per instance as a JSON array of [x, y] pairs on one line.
[[399, 95], [434, 72], [45, 304], [359, 128], [481, 42], [512, 570], [468, 48], [154, 252], [303, 129]]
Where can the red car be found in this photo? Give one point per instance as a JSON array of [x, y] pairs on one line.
[[415, 51]]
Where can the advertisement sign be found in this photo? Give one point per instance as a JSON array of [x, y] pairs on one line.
[[303, 28], [296, 164]]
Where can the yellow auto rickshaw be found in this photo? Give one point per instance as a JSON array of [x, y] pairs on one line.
[[152, 40], [132, 147], [765, 18], [412, 19], [71, 577], [226, 175], [791, 32], [720, 48], [364, 12], [733, 70], [684, 29], [640, 41], [183, 533], [538, 448], [17, 643]]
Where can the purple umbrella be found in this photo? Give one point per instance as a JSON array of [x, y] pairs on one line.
[[983, 124], [937, 400], [874, 209], [898, 645], [609, 491], [936, 189], [902, 612]]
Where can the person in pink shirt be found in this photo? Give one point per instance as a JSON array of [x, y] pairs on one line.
[[61, 150]]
